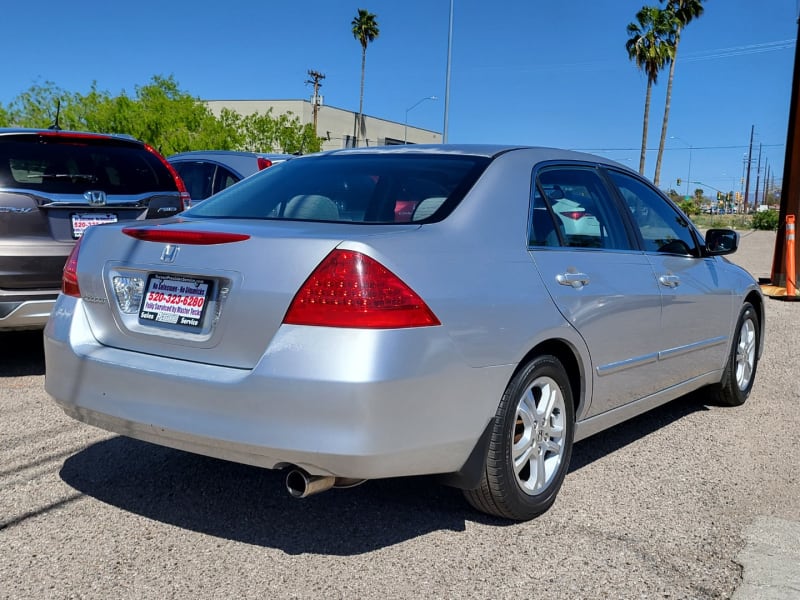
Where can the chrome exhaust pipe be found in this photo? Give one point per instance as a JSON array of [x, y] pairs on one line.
[[301, 485]]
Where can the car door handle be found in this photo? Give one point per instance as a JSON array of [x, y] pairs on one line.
[[575, 280], [671, 281]]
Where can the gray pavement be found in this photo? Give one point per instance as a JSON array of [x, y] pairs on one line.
[[771, 561], [771, 555]]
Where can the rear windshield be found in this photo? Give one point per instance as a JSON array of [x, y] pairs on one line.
[[358, 188], [63, 165]]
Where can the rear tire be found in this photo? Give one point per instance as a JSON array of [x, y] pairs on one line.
[[530, 445], [740, 368]]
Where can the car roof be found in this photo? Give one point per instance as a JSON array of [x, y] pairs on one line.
[[538, 153], [198, 154], [17, 131]]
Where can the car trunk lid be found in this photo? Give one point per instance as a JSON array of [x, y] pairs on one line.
[[217, 299]]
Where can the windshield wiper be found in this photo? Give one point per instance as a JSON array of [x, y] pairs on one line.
[[72, 176]]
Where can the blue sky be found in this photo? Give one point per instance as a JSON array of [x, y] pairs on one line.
[[522, 72]]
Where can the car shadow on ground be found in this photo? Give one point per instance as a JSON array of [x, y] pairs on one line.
[[250, 505], [609, 441], [21, 353]]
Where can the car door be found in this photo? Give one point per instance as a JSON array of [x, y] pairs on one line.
[[602, 284], [696, 310]]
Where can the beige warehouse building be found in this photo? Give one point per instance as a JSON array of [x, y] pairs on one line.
[[334, 125]]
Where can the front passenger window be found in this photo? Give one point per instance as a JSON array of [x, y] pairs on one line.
[[663, 229]]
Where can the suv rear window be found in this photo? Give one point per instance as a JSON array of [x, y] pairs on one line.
[[61, 164], [358, 188]]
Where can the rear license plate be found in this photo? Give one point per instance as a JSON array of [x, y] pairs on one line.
[[175, 300], [80, 222]]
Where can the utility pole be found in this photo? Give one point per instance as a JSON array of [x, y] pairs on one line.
[[749, 163], [758, 177], [316, 78], [790, 189]]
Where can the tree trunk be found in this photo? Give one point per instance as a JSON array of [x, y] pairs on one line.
[[360, 119], [666, 110], [644, 126]]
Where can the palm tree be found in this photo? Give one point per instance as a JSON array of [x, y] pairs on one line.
[[365, 30], [649, 46], [682, 13]]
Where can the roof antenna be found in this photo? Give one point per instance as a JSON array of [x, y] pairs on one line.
[[55, 126]]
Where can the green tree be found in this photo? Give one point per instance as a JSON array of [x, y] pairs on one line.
[[649, 47], [263, 132], [682, 12], [160, 114], [365, 30], [168, 118], [674, 196], [38, 105]]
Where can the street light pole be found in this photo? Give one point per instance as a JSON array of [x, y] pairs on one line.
[[689, 174], [405, 129], [447, 76]]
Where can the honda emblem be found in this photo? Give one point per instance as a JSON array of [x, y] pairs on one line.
[[95, 197], [169, 253]]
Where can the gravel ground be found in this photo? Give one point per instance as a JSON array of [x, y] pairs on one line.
[[655, 508]]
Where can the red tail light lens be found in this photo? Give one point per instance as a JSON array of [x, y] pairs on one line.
[[350, 289], [263, 163], [576, 215], [186, 199], [182, 236], [69, 279]]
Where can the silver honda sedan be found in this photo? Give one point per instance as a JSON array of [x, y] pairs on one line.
[[395, 311]]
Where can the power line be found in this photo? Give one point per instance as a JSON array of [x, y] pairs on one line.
[[712, 54], [738, 51], [693, 148]]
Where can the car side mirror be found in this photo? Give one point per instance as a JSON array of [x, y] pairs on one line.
[[721, 241]]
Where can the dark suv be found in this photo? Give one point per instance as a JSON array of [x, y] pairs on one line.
[[53, 185]]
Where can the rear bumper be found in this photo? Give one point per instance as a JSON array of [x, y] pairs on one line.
[[27, 314], [422, 415]]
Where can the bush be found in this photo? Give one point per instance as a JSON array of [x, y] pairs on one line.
[[689, 207], [767, 220]]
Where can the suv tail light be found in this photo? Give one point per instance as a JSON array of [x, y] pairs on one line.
[[350, 289], [186, 199], [69, 279]]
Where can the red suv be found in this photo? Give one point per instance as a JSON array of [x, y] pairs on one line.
[[53, 185]]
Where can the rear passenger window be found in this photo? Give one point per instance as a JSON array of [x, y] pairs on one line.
[[580, 209], [197, 177], [663, 229], [225, 179]]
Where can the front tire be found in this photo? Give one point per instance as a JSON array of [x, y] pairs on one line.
[[740, 368], [530, 445]]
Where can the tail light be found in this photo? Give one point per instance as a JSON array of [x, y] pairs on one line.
[[350, 289], [576, 215], [186, 199], [69, 279], [263, 163]]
